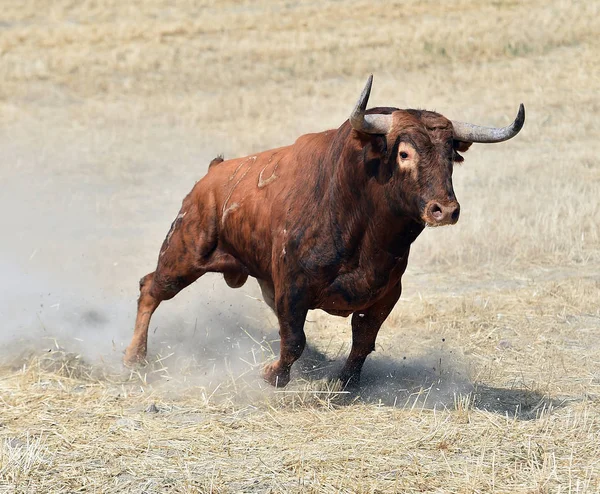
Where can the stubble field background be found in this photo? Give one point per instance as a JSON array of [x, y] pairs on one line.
[[486, 377]]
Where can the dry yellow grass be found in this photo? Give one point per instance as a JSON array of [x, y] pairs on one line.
[[486, 376]]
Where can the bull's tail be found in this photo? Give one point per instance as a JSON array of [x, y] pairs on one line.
[[216, 161]]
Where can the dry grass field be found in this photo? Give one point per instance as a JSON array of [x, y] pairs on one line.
[[486, 376]]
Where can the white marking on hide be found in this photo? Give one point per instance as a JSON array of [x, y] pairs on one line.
[[171, 231], [231, 208], [263, 183], [250, 161], [283, 251], [249, 158]]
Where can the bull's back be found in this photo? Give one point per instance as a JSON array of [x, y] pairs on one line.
[[256, 196]]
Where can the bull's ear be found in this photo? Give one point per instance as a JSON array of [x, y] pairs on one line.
[[374, 158], [461, 146]]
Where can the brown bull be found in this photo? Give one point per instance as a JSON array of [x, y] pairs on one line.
[[325, 223]]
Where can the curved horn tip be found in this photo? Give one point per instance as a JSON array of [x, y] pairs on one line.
[[369, 124], [520, 120], [366, 93], [358, 113], [475, 133]]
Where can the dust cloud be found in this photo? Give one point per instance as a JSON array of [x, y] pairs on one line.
[[79, 231]]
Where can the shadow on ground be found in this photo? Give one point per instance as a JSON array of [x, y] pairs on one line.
[[427, 382]]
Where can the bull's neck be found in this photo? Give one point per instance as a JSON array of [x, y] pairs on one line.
[[359, 210]]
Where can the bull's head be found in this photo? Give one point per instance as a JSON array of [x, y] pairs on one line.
[[422, 147]]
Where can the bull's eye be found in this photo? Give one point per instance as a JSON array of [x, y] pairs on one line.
[[403, 155]]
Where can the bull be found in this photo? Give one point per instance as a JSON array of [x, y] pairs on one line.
[[325, 223]]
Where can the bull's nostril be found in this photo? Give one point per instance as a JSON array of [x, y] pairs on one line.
[[455, 214], [436, 212]]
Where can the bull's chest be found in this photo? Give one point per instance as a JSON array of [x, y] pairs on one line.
[[360, 288]]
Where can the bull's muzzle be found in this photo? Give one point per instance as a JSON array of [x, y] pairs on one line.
[[438, 214]]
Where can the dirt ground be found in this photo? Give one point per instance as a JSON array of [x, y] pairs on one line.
[[486, 377]]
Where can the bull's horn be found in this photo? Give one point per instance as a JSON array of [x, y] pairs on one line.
[[467, 132], [370, 124]]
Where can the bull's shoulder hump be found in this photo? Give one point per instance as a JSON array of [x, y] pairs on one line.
[[314, 138]]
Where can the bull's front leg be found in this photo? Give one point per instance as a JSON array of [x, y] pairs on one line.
[[365, 326], [291, 307]]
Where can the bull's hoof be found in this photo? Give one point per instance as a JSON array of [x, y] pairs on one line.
[[134, 359], [349, 380], [276, 376]]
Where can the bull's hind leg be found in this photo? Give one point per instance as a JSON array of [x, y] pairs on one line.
[[365, 326], [147, 304], [182, 261], [154, 288]]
